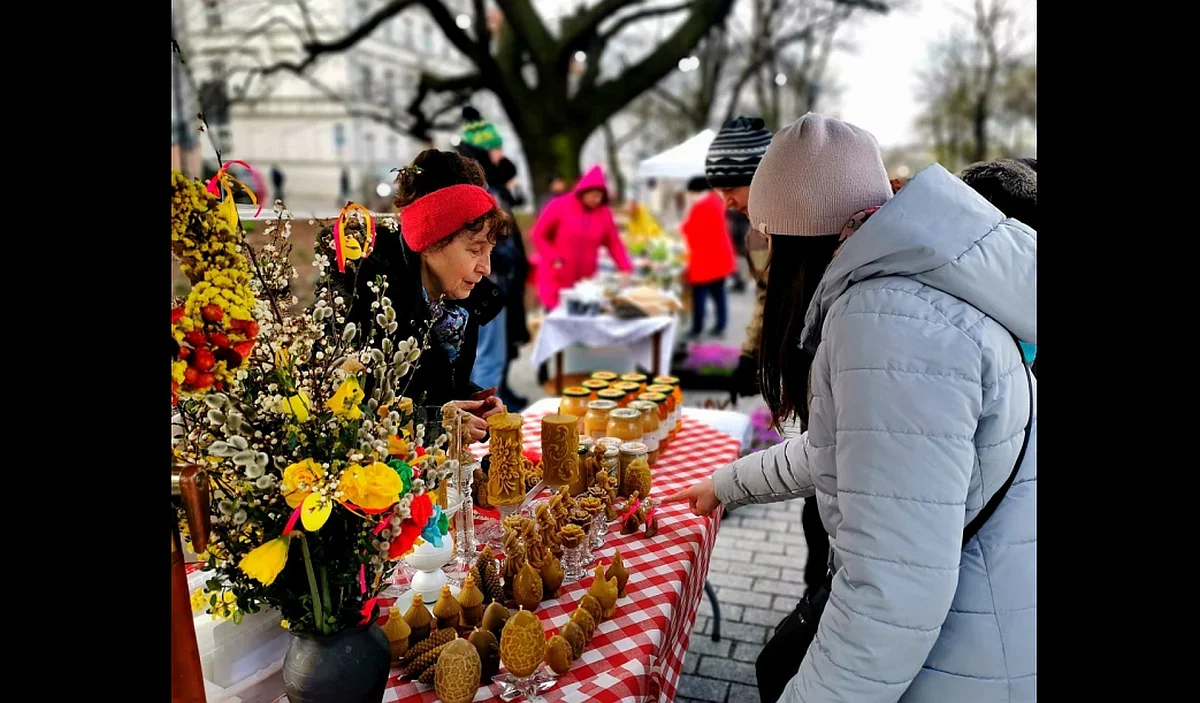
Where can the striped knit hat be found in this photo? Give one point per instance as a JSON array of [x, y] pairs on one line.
[[734, 155]]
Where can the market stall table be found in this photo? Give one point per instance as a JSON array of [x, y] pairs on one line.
[[649, 339], [638, 654]]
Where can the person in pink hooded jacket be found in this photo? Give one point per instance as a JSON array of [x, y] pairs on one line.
[[568, 236]]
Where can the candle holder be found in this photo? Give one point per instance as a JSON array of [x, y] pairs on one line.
[[599, 529], [572, 563], [529, 688]]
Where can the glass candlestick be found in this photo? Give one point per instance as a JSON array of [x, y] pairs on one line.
[[599, 529], [572, 563], [529, 688]]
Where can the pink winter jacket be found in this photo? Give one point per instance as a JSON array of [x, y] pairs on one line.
[[567, 240]]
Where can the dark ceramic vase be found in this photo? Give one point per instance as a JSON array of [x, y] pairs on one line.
[[350, 666]]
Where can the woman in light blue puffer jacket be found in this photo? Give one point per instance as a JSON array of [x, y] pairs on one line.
[[917, 404]]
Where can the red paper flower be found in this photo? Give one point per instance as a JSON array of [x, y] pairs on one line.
[[410, 529]]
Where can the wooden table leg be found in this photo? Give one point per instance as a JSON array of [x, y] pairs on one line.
[[656, 340], [558, 374], [187, 679]]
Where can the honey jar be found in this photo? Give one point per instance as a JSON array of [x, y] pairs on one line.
[[575, 402], [596, 421], [594, 386], [625, 424], [664, 418], [638, 378], [606, 376], [650, 425], [675, 409], [617, 396]]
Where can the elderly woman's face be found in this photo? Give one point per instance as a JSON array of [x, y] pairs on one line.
[[459, 266]]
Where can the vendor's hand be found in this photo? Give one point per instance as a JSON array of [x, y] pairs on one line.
[[491, 406], [701, 497]]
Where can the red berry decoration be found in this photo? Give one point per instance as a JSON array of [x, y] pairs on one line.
[[219, 339], [204, 381], [176, 315], [191, 375], [195, 338]]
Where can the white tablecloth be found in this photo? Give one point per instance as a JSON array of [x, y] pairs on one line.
[[735, 425], [560, 330]]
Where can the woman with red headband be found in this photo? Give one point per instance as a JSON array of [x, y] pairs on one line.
[[436, 268]]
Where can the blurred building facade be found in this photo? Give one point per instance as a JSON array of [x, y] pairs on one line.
[[327, 130]]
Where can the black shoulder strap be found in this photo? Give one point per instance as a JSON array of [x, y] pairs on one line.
[[990, 508]]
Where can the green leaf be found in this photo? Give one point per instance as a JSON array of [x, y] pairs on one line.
[[237, 617]]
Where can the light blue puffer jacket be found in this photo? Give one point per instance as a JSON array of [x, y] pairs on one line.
[[918, 412]]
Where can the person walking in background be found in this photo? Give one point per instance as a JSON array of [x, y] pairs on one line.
[[1010, 185], [568, 235], [277, 181], [557, 187], [501, 339], [710, 255]]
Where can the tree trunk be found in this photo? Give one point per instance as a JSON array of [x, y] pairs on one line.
[[548, 154], [614, 164]]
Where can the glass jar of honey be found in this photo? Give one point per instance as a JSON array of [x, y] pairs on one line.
[[638, 378], [596, 420], [664, 417], [625, 424], [575, 402], [673, 382], [617, 396], [650, 425], [630, 389], [630, 452], [594, 386], [675, 409], [612, 460], [606, 376]]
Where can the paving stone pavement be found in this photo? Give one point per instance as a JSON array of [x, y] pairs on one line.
[[757, 570]]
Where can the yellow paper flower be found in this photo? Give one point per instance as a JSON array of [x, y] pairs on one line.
[[344, 402], [397, 447], [373, 487], [198, 600], [298, 405], [305, 472], [315, 511], [265, 561], [351, 249]]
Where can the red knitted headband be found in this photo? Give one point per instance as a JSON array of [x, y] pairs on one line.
[[433, 217]]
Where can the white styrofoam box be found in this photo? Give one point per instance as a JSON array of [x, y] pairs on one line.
[[230, 653]]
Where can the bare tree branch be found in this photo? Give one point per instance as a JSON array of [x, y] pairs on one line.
[[527, 24], [626, 20], [315, 48]]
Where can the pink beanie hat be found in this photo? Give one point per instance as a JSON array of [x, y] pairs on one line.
[[817, 174]]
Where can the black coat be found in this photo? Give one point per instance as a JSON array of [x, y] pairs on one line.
[[437, 380]]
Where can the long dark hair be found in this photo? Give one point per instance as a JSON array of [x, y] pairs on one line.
[[793, 272]]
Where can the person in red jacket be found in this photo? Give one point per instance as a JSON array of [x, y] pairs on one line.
[[710, 254]]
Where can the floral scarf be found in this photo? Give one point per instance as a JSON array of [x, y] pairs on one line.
[[449, 325]]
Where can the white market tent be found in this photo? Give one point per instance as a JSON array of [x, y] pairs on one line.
[[681, 161]]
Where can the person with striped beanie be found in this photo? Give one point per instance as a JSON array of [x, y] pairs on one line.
[[730, 164]]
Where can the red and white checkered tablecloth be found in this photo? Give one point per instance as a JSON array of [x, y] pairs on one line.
[[636, 656]]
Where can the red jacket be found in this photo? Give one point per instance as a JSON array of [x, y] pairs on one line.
[[709, 245]]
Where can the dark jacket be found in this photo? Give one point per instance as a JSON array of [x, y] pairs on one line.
[[437, 380], [510, 264]]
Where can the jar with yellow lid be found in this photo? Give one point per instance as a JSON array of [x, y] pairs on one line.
[[606, 376], [595, 422], [630, 389], [594, 386], [625, 424], [676, 410], [650, 425], [664, 418], [638, 378], [617, 396], [673, 382], [575, 402]]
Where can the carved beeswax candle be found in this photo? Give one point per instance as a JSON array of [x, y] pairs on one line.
[[560, 445], [505, 481]]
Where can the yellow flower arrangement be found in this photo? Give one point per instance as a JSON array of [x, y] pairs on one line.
[[299, 480], [373, 487]]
